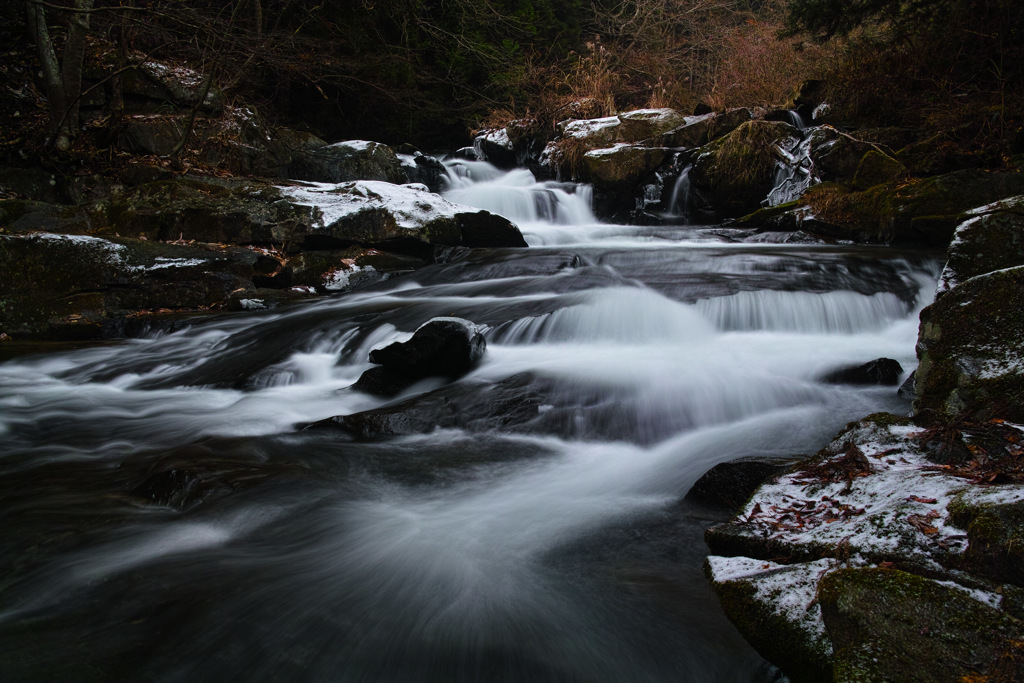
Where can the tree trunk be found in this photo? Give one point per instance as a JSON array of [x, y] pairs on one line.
[[62, 78]]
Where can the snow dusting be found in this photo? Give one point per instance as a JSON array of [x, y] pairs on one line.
[[412, 207]]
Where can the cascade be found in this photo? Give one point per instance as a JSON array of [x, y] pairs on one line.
[[540, 532]]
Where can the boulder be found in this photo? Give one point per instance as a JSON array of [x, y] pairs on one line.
[[970, 344], [345, 161], [648, 124], [425, 170], [730, 484], [926, 210], [441, 347], [77, 287], [881, 371], [622, 167], [888, 625], [150, 134], [877, 168], [170, 83], [203, 209], [837, 155], [995, 535], [406, 219], [853, 565], [496, 147], [732, 176], [991, 238], [775, 607]]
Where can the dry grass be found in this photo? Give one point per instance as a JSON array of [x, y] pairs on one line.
[[567, 154]]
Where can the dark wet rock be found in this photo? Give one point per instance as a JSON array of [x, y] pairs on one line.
[[730, 484], [990, 238], [329, 271], [75, 287], [426, 170], [733, 175], [157, 135], [345, 161], [621, 168], [22, 215], [881, 371], [888, 625], [907, 389], [178, 488], [648, 124], [205, 210], [970, 346], [837, 155], [441, 347], [473, 406], [939, 154], [33, 184], [496, 147]]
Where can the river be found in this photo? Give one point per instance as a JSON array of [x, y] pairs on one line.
[[165, 517]]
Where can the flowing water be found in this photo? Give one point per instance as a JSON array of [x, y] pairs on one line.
[[165, 517]]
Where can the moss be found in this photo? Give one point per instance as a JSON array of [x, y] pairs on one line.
[[877, 168], [995, 533], [890, 625], [775, 636], [969, 347], [735, 173]]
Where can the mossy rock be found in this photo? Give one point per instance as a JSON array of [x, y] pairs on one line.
[[991, 239], [925, 210], [733, 175], [877, 168], [647, 124], [787, 636], [158, 135], [970, 346], [995, 532], [888, 625], [621, 168], [204, 210], [77, 287], [836, 155], [345, 161]]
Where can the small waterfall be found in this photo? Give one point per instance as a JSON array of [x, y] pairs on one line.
[[794, 119], [517, 195], [679, 200], [839, 312]]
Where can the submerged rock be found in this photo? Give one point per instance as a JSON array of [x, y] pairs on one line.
[[473, 406], [441, 347]]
